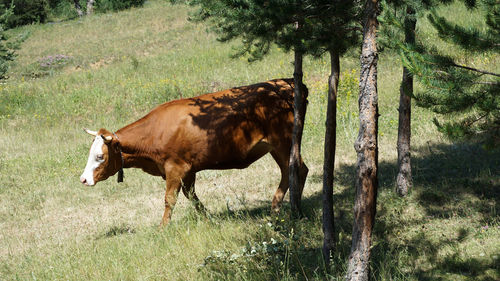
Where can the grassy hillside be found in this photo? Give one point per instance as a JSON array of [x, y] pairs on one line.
[[115, 67]]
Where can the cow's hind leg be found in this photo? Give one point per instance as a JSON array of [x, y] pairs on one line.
[[189, 192], [303, 176], [282, 162]]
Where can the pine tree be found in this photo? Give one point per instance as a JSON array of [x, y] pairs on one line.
[[7, 48], [366, 147], [405, 24], [404, 178], [399, 28], [467, 97], [338, 30], [6, 54]]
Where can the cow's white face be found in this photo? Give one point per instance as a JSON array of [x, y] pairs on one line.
[[96, 158], [104, 158]]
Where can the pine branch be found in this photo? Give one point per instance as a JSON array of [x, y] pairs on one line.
[[447, 74], [476, 70], [487, 83], [471, 39], [471, 122]]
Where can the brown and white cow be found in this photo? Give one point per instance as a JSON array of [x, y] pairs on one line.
[[223, 130]]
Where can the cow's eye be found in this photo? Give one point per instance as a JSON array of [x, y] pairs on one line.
[[99, 157]]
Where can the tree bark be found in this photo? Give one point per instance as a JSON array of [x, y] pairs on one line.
[[90, 7], [366, 147], [329, 161], [299, 112], [78, 8], [404, 178]]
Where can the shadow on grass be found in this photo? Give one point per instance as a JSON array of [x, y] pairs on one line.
[[116, 230], [451, 182]]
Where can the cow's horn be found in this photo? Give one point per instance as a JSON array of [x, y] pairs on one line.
[[90, 132]]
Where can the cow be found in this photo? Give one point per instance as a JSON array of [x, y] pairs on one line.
[[229, 129]]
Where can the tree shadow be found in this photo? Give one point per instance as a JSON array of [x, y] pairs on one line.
[[234, 119], [290, 258], [450, 182], [116, 230]]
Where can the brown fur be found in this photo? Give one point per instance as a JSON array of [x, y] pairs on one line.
[[223, 130]]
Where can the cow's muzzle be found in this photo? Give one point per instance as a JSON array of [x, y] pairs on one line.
[[84, 181]]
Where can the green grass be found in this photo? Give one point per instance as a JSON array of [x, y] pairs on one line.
[[123, 64]]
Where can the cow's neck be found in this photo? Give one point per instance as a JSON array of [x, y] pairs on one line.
[[132, 143]]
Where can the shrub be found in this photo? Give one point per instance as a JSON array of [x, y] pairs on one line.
[[117, 5], [7, 47], [54, 3], [64, 9], [6, 55], [26, 12], [48, 65]]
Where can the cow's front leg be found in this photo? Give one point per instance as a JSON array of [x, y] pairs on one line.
[[173, 187], [174, 173]]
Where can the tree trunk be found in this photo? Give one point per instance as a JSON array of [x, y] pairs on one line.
[[366, 147], [404, 179], [329, 161], [90, 7], [78, 8], [299, 112]]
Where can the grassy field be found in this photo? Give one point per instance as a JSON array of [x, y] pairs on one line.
[[118, 66]]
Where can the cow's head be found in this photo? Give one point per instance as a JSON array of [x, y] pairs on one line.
[[104, 158]]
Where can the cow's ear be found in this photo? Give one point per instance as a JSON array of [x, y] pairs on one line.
[[116, 145], [107, 139]]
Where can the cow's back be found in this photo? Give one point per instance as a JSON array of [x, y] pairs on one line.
[[219, 130]]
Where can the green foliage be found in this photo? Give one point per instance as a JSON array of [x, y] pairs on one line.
[[394, 14], [6, 55], [322, 26], [54, 3], [117, 5], [33, 11], [27, 12], [470, 38], [7, 48], [64, 9], [466, 97]]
